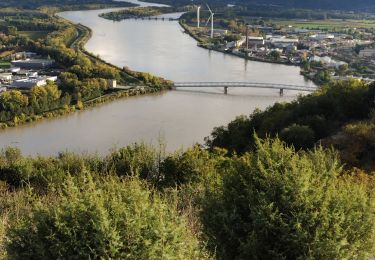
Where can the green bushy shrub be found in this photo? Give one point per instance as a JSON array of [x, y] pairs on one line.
[[276, 203], [110, 218]]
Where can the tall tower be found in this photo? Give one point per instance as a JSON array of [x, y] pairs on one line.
[[212, 25], [198, 16]]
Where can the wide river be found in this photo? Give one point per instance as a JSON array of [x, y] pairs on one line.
[[181, 118]]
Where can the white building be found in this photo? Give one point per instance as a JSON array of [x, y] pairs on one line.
[[327, 61], [29, 83], [6, 76], [255, 40], [282, 42], [220, 32], [112, 83], [15, 69], [322, 37]]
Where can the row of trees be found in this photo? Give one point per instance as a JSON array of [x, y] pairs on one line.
[[14, 104]]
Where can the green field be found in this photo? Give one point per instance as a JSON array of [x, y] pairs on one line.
[[34, 35], [4, 64], [327, 24]]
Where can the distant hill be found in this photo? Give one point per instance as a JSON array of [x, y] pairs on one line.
[[362, 5], [32, 4], [355, 5]]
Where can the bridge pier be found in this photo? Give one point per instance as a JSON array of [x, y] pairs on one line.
[[281, 92], [225, 90]]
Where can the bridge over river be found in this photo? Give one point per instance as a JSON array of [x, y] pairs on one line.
[[226, 85]]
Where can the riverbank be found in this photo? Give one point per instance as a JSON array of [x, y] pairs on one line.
[[112, 96], [137, 83]]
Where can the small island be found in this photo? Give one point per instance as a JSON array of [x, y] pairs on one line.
[[137, 12]]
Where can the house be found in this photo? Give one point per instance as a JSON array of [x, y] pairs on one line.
[[112, 84]]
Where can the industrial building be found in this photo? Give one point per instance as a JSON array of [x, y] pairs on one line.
[[28, 83], [33, 63], [255, 41]]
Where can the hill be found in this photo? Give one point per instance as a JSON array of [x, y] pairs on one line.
[[362, 5], [33, 4]]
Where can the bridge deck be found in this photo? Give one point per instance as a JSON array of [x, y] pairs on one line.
[[244, 85]]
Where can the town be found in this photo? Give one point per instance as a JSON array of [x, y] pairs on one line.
[[323, 54]]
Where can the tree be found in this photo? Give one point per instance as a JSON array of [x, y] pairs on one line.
[[342, 69], [275, 55], [276, 203], [301, 136], [13, 101], [107, 219]]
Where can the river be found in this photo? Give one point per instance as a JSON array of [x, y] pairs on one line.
[[181, 118]]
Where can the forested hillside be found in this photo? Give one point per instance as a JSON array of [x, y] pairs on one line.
[[319, 4], [32, 4]]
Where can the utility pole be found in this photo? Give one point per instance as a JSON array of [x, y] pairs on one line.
[[212, 25], [247, 36]]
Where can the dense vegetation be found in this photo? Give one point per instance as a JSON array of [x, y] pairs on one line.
[[302, 122], [136, 12], [140, 202], [106, 218]]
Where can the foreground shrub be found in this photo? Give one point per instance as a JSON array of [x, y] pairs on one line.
[[279, 204], [112, 219]]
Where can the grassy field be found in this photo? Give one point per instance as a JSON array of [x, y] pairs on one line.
[[4, 64], [327, 24], [34, 35]]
